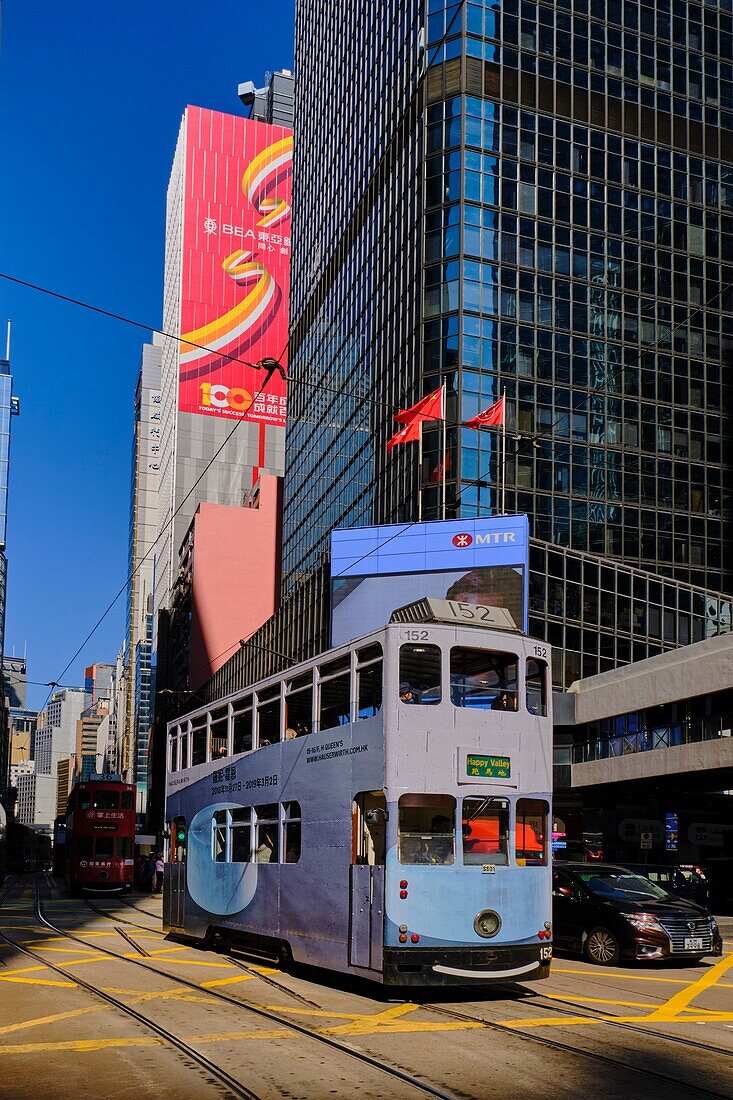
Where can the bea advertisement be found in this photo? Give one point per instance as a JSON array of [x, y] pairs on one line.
[[235, 267]]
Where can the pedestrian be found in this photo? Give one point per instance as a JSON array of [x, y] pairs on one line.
[[147, 874], [159, 868]]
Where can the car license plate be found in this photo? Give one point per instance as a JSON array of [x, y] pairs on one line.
[[693, 944]]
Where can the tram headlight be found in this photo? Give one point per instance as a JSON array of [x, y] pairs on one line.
[[487, 923]]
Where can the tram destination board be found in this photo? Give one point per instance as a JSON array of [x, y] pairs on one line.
[[488, 767]]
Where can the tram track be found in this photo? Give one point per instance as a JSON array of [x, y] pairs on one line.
[[595, 1056], [231, 1084], [263, 1013]]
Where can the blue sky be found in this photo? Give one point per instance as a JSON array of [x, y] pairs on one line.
[[91, 97]]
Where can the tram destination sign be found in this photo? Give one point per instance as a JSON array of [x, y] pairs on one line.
[[488, 767]]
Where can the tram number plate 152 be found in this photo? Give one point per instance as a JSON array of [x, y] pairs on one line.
[[694, 943]]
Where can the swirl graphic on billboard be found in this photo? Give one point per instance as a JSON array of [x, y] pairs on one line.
[[235, 262]]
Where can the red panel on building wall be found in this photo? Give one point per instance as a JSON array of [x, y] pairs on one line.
[[236, 266]]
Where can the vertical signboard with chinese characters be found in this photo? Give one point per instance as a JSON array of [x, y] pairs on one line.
[[235, 267]]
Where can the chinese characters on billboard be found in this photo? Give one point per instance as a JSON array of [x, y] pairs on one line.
[[235, 267]]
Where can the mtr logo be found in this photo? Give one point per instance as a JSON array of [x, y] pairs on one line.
[[489, 538], [225, 397]]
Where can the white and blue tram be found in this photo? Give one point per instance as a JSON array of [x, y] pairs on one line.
[[381, 810]]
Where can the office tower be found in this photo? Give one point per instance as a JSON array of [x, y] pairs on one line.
[[274, 102], [90, 748], [56, 730], [134, 729], [534, 203], [226, 284], [9, 406]]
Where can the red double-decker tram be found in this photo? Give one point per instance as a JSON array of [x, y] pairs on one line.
[[100, 836]]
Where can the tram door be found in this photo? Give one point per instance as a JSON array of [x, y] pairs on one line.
[[366, 929], [176, 893]]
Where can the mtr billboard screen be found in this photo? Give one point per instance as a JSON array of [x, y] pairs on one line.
[[375, 570], [235, 266]]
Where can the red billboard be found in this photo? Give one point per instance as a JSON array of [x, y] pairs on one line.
[[235, 267]]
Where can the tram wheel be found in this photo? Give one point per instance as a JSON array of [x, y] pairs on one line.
[[601, 947], [284, 954]]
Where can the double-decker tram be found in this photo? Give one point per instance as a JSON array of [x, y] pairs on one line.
[[100, 836], [381, 810]]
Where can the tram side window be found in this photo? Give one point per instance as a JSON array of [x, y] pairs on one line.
[[219, 836], [369, 832], [299, 706], [83, 847], [420, 674], [106, 800], [334, 693], [369, 680], [267, 848], [531, 835], [485, 829], [536, 687], [242, 729], [218, 733], [482, 679], [199, 740], [83, 801], [268, 716], [241, 835], [126, 801], [291, 831], [427, 828]]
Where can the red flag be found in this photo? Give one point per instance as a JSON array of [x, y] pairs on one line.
[[493, 415], [409, 434], [440, 471], [428, 408]]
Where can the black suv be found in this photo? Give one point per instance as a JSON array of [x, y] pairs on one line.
[[609, 913]]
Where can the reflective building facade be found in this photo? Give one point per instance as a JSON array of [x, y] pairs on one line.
[[536, 200]]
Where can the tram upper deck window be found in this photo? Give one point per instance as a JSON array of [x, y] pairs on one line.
[[485, 829], [242, 726], [299, 706], [198, 733], [334, 693], [420, 674], [531, 834], [268, 716], [483, 679], [106, 800], [83, 799], [427, 829], [536, 687], [218, 732], [126, 800], [369, 680]]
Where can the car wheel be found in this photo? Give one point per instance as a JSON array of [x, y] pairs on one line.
[[601, 947]]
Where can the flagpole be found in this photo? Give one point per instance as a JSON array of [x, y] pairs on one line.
[[445, 471], [503, 453], [419, 475]]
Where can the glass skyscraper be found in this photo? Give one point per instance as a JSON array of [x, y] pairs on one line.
[[536, 200]]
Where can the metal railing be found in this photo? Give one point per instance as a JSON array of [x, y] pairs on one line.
[[687, 732]]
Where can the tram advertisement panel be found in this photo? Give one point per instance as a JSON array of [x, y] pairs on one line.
[[375, 570], [235, 266]]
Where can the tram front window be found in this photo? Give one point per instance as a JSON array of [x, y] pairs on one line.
[[420, 674], [106, 800], [427, 829], [485, 829], [483, 680], [531, 839]]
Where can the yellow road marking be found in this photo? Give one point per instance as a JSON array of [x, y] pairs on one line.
[[213, 982], [41, 1020], [598, 1000], [679, 1002], [623, 976]]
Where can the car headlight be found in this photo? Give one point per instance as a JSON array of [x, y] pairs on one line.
[[645, 922], [713, 924], [487, 923]]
